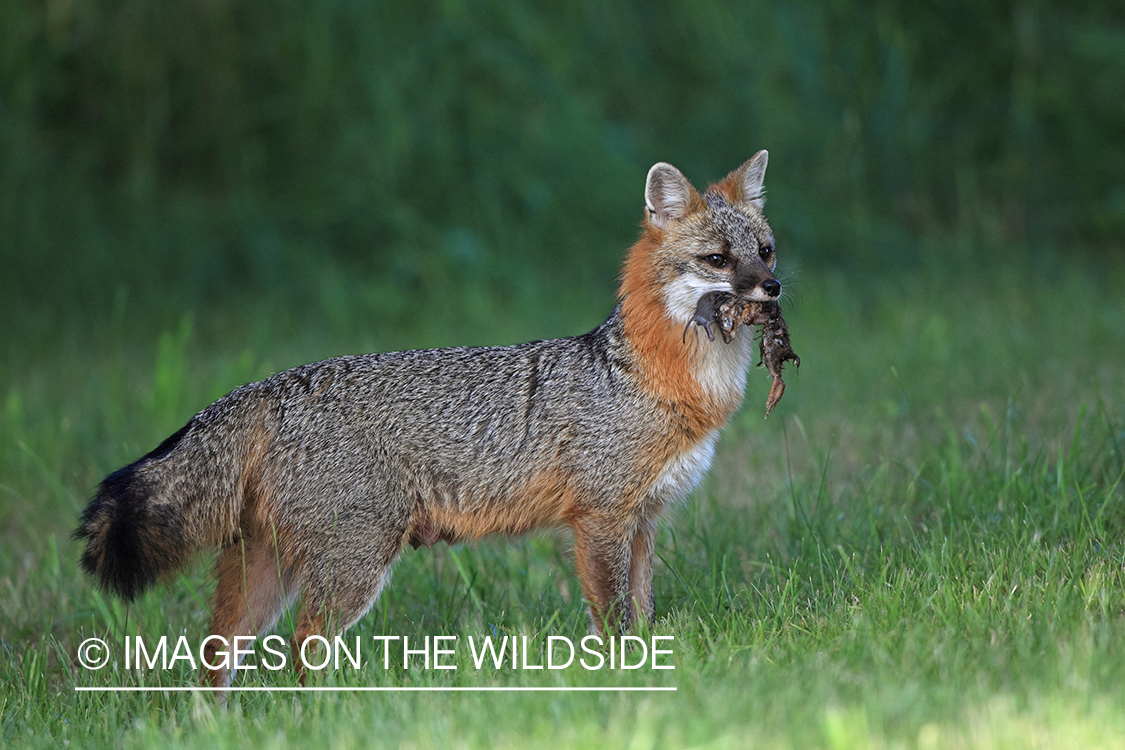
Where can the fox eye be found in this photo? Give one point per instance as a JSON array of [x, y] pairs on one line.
[[717, 260], [765, 251]]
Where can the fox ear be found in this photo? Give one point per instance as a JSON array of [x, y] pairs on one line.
[[753, 174], [667, 194]]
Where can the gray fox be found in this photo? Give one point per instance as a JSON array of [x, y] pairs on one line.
[[312, 481]]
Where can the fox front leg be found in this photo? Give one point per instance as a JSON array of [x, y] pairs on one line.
[[641, 596], [603, 546]]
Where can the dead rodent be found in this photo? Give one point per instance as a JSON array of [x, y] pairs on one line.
[[774, 348]]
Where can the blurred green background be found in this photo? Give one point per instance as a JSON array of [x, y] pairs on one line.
[[427, 168]]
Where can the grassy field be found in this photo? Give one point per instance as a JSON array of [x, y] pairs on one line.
[[922, 547]]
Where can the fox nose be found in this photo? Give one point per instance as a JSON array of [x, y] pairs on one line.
[[772, 287]]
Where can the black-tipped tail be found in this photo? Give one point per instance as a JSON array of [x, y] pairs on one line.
[[130, 542]]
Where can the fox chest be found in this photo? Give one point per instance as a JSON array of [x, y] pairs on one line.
[[683, 472], [720, 368]]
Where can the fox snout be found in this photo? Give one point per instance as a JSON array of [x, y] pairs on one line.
[[754, 287]]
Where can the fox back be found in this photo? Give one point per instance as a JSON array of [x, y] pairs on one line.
[[314, 480]]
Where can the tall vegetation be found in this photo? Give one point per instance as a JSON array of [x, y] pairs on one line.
[[204, 149]]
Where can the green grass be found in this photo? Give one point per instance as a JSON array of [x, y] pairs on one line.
[[922, 547]]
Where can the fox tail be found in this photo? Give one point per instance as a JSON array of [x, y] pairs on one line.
[[148, 518]]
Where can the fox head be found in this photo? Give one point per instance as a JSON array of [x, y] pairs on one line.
[[717, 241]]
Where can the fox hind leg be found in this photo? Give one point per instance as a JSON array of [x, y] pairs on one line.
[[329, 607], [252, 590]]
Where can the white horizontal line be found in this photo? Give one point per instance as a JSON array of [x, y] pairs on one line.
[[437, 689]]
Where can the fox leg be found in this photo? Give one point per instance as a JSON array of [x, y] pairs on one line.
[[603, 547], [641, 593], [312, 621], [330, 607], [250, 595]]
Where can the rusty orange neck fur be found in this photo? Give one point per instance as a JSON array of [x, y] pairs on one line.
[[667, 364]]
